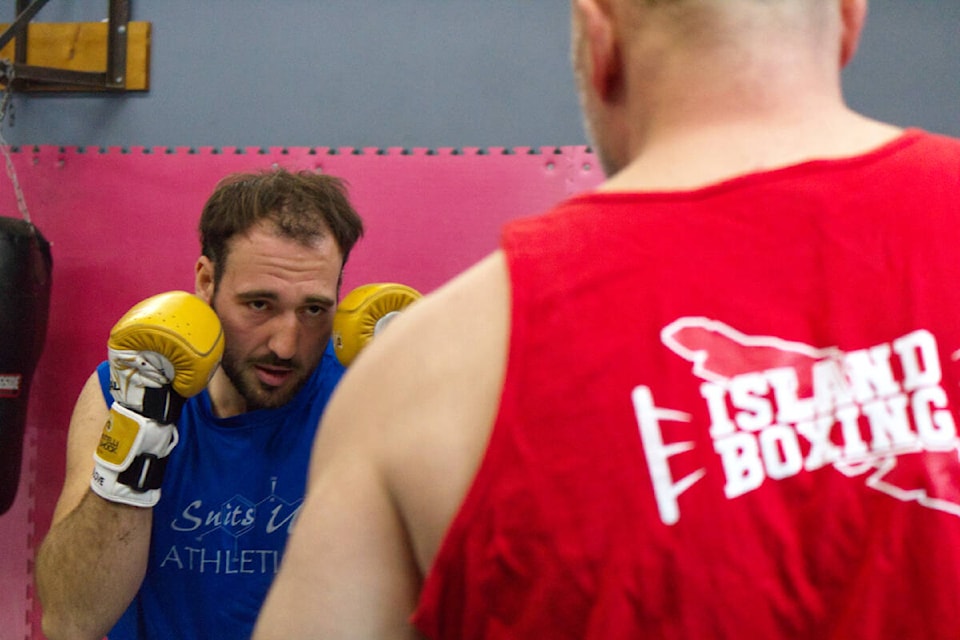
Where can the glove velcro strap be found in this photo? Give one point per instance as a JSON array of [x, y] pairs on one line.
[[145, 472], [131, 458], [163, 404]]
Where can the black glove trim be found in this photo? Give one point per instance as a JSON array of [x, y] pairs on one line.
[[145, 473], [162, 405]]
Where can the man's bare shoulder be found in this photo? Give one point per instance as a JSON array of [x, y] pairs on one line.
[[422, 398]]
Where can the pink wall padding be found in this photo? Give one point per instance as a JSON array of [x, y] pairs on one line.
[[17, 543], [122, 224]]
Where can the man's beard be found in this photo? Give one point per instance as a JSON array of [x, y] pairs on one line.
[[592, 131], [242, 375]]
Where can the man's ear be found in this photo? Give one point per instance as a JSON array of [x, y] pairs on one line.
[[853, 14], [603, 62], [203, 279]]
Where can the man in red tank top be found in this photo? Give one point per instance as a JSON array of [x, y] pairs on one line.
[[716, 398]]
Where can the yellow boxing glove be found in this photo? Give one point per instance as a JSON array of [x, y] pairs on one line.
[[364, 312], [161, 352], [173, 339]]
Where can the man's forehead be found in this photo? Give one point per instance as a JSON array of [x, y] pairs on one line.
[[261, 243], [281, 264]]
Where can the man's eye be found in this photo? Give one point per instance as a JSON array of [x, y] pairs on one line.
[[257, 305], [315, 310]]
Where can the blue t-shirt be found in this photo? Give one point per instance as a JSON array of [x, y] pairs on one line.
[[231, 492]]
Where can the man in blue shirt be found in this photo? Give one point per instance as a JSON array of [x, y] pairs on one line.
[[193, 556]]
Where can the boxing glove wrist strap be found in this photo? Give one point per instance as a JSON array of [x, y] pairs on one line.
[[163, 404], [144, 473], [140, 380], [131, 458]]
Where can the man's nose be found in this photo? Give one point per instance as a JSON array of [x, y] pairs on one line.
[[285, 335]]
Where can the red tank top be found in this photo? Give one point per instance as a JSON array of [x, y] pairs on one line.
[[728, 413]]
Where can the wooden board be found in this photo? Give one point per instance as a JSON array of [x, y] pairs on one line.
[[82, 46]]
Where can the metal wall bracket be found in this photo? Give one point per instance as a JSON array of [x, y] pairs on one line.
[[22, 76]]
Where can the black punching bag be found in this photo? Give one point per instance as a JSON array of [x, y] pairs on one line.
[[25, 265]]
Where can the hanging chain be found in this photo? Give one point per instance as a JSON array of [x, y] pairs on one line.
[[6, 106]]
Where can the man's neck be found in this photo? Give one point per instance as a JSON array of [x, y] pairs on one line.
[[225, 400], [696, 155], [697, 110]]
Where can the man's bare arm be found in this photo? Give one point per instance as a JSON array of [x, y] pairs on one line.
[[93, 559], [397, 450]]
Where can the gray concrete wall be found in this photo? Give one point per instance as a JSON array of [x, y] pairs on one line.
[[415, 73]]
